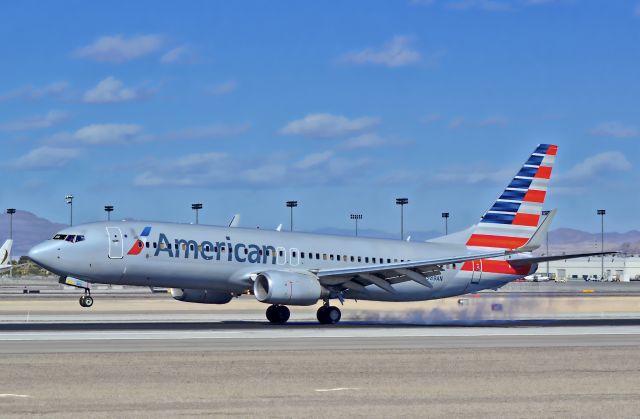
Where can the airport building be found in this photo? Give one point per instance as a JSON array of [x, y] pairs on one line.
[[616, 268]]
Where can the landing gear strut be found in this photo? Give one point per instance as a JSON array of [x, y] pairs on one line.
[[278, 314], [329, 314]]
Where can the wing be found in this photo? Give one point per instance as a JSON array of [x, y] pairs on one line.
[[385, 275]]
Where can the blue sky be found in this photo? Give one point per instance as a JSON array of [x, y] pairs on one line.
[[343, 106]]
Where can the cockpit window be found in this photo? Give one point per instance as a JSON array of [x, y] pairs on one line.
[[79, 238], [70, 238], [59, 237]]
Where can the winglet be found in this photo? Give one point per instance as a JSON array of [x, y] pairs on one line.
[[539, 236]]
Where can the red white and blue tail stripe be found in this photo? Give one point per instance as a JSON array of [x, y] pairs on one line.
[[514, 217]]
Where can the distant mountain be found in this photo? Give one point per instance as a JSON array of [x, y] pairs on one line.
[[567, 239], [28, 230]]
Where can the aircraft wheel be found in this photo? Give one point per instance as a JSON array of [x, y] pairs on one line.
[[322, 315], [271, 316], [88, 301], [333, 314], [81, 300]]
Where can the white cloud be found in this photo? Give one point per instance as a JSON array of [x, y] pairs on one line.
[[263, 171], [95, 134], [119, 49], [474, 176], [212, 131], [112, 90], [222, 88], [46, 157], [615, 129], [182, 53], [494, 121], [397, 52], [314, 159], [431, 118], [48, 120], [368, 140], [32, 92], [323, 125], [456, 123], [592, 167], [107, 133]]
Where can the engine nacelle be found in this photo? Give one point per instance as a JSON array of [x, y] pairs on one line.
[[203, 296], [282, 287]]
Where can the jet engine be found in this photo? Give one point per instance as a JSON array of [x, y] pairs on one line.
[[282, 287], [203, 296]]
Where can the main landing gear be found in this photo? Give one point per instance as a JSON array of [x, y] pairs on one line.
[[86, 300], [278, 314], [329, 314]]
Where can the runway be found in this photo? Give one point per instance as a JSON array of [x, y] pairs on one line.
[[159, 359]]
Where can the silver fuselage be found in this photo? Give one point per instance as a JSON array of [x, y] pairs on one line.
[[226, 259]]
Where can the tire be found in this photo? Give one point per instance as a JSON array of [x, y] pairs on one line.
[[282, 314], [333, 315], [321, 315], [88, 301], [81, 301]]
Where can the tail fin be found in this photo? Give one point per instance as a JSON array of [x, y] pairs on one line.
[[513, 219], [5, 251]]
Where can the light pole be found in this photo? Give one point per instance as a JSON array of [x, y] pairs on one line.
[[196, 207], [69, 200], [601, 213], [108, 209], [402, 202], [445, 215], [546, 213], [356, 217], [10, 211], [291, 205]]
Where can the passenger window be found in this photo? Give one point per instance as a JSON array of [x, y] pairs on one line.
[[338, 257], [246, 251], [155, 245], [395, 260], [359, 258], [318, 256], [388, 260], [206, 248], [352, 259], [302, 255], [260, 252], [366, 259], [324, 256], [331, 257], [162, 245], [293, 254], [281, 253], [147, 244]]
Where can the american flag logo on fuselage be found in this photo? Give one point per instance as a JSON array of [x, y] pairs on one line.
[[514, 217]]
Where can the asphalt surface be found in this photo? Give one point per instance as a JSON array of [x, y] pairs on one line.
[[160, 358]]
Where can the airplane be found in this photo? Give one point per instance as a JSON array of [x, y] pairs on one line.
[[212, 265], [5, 253]]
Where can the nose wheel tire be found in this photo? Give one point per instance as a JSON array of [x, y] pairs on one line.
[[278, 314], [329, 315], [86, 301]]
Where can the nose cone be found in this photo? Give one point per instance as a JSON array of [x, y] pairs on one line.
[[44, 254]]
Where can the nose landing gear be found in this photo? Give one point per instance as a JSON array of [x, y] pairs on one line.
[[86, 301]]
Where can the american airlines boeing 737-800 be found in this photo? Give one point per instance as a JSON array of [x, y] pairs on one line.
[[212, 265]]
